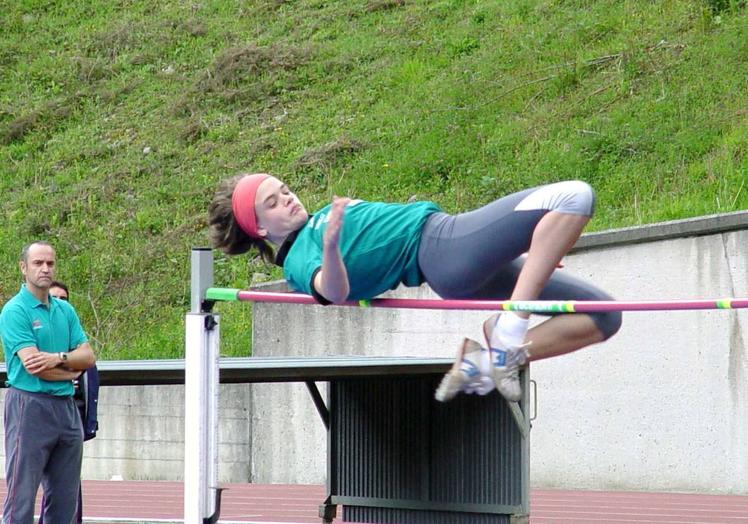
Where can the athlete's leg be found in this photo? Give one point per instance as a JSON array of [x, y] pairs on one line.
[[546, 222], [561, 335], [558, 335], [564, 332], [553, 237]]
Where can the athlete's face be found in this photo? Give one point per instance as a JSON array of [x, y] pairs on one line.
[[278, 210]]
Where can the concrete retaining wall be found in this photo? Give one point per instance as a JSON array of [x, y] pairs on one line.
[[142, 434], [664, 405]]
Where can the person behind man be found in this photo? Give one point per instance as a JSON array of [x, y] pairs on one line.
[[59, 290], [45, 350]]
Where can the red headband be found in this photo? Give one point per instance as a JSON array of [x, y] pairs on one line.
[[243, 202]]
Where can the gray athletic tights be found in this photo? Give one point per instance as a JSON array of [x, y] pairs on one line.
[[476, 255]]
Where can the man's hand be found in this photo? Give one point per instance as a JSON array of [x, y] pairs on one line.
[[36, 361], [48, 366], [81, 358]]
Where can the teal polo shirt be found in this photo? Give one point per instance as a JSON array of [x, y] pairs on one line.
[[378, 242], [26, 322]]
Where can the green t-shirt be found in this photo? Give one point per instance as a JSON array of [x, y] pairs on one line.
[[26, 322], [379, 245]]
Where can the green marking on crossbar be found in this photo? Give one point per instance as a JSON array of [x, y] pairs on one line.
[[724, 303], [221, 293], [540, 307]]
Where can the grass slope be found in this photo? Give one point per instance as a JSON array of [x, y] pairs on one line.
[[118, 118]]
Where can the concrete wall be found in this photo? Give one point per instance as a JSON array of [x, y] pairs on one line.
[[664, 404], [661, 406], [142, 434]]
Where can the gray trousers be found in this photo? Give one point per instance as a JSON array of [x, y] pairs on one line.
[[43, 445]]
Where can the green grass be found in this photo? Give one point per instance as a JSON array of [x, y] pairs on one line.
[[117, 120]]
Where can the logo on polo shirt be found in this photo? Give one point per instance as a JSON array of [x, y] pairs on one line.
[[36, 324]]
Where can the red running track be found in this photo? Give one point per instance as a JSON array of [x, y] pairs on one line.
[[143, 501]]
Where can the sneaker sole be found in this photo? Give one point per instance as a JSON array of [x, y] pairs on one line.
[[509, 395], [450, 385]]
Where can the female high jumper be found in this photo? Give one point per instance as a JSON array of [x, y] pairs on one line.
[[354, 250]]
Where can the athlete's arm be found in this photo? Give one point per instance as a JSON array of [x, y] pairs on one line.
[[332, 280]]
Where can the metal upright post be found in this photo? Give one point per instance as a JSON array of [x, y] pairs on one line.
[[201, 398]]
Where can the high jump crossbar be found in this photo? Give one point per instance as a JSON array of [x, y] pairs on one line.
[[531, 306]]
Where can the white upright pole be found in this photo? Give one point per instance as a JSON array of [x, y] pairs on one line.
[[200, 396]]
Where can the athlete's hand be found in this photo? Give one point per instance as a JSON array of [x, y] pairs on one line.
[[335, 222]]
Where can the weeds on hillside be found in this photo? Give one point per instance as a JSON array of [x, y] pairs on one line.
[[117, 120]]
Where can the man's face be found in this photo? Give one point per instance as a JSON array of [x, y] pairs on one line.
[[58, 292], [278, 210], [39, 267]]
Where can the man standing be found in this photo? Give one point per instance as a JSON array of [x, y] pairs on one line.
[[45, 349]]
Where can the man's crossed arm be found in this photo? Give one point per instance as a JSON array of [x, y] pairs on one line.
[[52, 367]]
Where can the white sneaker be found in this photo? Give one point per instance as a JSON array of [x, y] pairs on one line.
[[482, 385], [465, 371], [506, 361]]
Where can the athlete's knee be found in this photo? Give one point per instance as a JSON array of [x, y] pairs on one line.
[[582, 197], [609, 323], [573, 196]]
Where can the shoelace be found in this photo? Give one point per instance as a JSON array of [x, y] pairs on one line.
[[519, 355]]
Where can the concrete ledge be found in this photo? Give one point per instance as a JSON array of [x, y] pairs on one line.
[[244, 370], [690, 227]]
